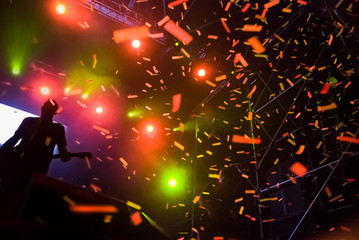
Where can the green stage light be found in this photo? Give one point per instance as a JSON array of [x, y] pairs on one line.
[[15, 70], [172, 182]]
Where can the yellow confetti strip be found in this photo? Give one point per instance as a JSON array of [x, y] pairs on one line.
[[212, 175], [107, 218], [180, 146], [68, 200], [133, 205], [195, 200], [241, 210]]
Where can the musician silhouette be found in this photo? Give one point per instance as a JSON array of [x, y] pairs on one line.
[[38, 136], [222, 216]]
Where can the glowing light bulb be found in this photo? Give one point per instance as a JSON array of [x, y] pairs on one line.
[[201, 72], [60, 9], [136, 43], [45, 90], [99, 110]]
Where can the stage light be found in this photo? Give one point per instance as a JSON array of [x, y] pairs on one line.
[[172, 182], [85, 95], [150, 128], [136, 43], [99, 110], [60, 8], [15, 70], [201, 72], [45, 90]]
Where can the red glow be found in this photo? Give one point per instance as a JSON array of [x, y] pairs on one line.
[[45, 90], [136, 43]]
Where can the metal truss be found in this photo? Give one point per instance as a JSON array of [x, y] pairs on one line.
[[118, 13]]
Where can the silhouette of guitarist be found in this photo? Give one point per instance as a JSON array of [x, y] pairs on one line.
[[33, 154]]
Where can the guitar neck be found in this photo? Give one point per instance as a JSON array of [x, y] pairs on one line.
[[79, 155]]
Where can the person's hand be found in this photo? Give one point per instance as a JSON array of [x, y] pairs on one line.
[[66, 157]]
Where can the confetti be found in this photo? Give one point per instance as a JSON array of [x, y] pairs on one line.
[[176, 3], [325, 88], [298, 169], [136, 218], [133, 205], [80, 208], [256, 45], [176, 102], [271, 4], [129, 34], [348, 139], [327, 107], [245, 140], [300, 150], [224, 24], [239, 58], [178, 32], [252, 28], [180, 146]]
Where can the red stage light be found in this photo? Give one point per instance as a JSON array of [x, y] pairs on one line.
[[99, 110], [60, 8], [150, 128], [136, 43], [201, 72], [45, 90]]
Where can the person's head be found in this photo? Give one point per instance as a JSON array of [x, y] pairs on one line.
[[229, 176], [49, 108]]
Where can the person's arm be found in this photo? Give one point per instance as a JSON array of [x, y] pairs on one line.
[[65, 154]]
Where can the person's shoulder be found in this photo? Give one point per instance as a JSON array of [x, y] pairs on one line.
[[30, 119], [58, 125]]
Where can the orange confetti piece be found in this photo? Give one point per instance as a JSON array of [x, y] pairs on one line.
[[271, 4], [252, 91], [245, 140], [252, 28], [163, 21], [298, 169], [178, 32], [176, 3], [130, 34], [239, 58], [300, 150], [327, 107], [176, 102], [223, 21], [249, 191], [136, 218], [348, 139], [105, 131], [180, 146], [212, 37], [228, 6], [256, 45], [325, 88], [245, 8], [302, 2], [93, 209]]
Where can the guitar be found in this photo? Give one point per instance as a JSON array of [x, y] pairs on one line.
[[10, 157]]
